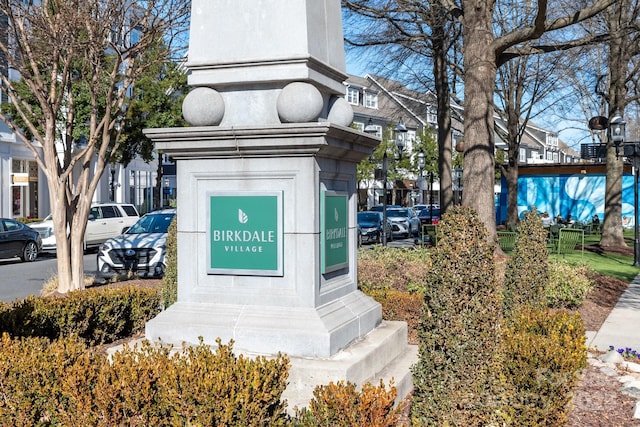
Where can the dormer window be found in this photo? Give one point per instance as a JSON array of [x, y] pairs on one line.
[[371, 100], [353, 95]]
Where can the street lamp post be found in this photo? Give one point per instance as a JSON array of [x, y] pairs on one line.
[[617, 131], [421, 157], [112, 184], [431, 197]]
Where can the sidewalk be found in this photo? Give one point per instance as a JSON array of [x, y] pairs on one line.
[[621, 329]]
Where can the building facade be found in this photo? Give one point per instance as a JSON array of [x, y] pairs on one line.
[[379, 103]]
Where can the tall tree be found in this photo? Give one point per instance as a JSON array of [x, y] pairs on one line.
[[486, 47], [484, 51], [622, 47], [522, 85], [156, 103], [419, 36], [62, 49]]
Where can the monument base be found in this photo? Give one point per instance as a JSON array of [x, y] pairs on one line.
[[296, 331], [383, 355]]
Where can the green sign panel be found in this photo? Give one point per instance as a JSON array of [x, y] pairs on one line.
[[245, 233], [334, 247]]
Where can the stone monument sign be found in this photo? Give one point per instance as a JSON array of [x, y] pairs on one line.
[[266, 198]]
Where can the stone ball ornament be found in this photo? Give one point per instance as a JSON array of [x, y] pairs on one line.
[[203, 106], [299, 103], [341, 112]]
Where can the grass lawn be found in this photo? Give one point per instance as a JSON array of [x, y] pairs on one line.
[[610, 264]]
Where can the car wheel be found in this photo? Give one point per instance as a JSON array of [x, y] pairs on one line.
[[29, 252]]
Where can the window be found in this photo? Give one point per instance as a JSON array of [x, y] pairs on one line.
[[555, 157], [359, 126], [371, 100], [378, 131], [353, 95], [432, 117], [549, 155], [110, 212], [522, 155]]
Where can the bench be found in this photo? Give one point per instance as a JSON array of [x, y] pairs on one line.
[[507, 240], [430, 230], [568, 239]]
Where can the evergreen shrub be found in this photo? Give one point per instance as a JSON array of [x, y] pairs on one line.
[[459, 379], [527, 271], [568, 286], [62, 382], [170, 278], [342, 404], [96, 316], [393, 268], [402, 306], [545, 351]]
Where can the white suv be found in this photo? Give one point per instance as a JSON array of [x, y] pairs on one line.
[[106, 220]]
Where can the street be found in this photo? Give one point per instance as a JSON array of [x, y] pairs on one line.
[[20, 279]]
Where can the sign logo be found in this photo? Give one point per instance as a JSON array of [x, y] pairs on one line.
[[242, 217], [245, 233]]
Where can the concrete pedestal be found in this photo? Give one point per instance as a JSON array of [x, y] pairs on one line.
[[304, 312]]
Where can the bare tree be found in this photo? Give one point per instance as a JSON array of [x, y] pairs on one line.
[[523, 84], [484, 50], [620, 21], [78, 59], [419, 36]]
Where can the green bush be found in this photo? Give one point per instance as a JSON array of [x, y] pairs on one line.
[[568, 285], [63, 383], [527, 271], [342, 405], [392, 268], [545, 351], [458, 379], [95, 315], [170, 278], [403, 306]]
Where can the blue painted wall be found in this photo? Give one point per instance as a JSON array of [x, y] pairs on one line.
[[580, 195]]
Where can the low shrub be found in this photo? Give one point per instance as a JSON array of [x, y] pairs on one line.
[[545, 350], [63, 383], [403, 306], [97, 316], [342, 405], [568, 285], [392, 268]]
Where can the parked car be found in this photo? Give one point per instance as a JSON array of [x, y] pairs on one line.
[[106, 220], [370, 225], [140, 250], [404, 221], [18, 240], [379, 208], [429, 216]]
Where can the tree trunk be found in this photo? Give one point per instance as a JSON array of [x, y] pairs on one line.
[[441, 78], [511, 175], [480, 74], [612, 225], [618, 58]]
